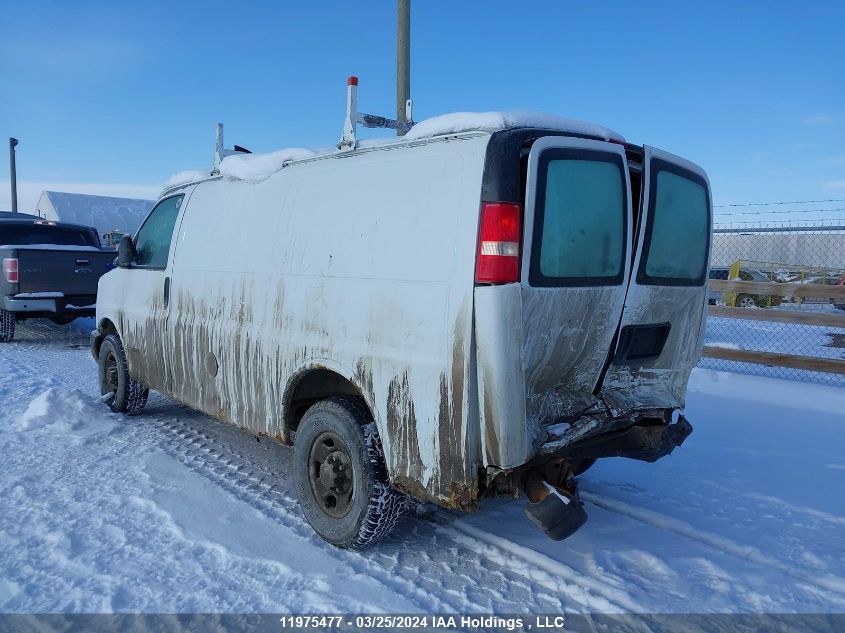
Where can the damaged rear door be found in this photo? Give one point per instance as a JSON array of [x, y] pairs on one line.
[[575, 269], [660, 333]]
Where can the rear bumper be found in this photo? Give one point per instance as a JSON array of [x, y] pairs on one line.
[[49, 306], [646, 443], [29, 305], [646, 437]]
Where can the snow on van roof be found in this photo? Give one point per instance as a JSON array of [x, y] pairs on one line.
[[256, 167], [259, 166], [457, 122]]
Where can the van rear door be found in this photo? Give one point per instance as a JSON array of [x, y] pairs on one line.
[[575, 270], [660, 333]]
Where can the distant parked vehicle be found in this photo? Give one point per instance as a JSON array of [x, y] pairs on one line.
[[49, 270], [841, 303], [743, 300]]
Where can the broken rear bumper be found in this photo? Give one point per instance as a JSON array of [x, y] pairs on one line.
[[647, 443], [647, 437]]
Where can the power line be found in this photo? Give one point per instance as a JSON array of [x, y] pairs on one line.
[[727, 215], [769, 204], [785, 223]]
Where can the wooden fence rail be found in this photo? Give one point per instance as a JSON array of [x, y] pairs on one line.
[[795, 291]]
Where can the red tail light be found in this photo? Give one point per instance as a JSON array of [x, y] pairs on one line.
[[10, 269], [499, 243]]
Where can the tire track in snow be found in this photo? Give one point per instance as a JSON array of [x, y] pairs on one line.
[[473, 553], [228, 469], [829, 582], [544, 570], [482, 571]]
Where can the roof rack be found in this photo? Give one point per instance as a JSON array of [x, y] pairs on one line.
[[348, 141], [221, 152]]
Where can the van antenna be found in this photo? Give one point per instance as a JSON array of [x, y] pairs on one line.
[[353, 118], [221, 152]]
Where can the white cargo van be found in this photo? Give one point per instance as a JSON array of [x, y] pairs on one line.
[[481, 308]]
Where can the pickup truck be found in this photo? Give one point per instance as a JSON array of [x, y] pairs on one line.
[[50, 270]]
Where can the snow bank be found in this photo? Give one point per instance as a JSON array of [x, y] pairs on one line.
[[255, 167], [492, 121], [72, 413]]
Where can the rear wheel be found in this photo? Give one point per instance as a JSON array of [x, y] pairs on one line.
[[341, 480], [126, 395], [7, 326], [746, 301]]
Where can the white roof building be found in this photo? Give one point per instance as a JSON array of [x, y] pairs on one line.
[[103, 212]]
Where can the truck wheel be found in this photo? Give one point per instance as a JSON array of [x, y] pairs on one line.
[[127, 395], [7, 326], [746, 301], [341, 479]]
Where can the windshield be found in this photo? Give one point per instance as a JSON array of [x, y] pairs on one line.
[[27, 234], [677, 241], [579, 219]]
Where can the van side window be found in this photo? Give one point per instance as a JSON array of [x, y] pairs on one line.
[[579, 219], [152, 243]]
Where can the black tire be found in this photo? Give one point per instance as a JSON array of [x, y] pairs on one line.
[[745, 301], [580, 466], [127, 395], [7, 326], [336, 437]]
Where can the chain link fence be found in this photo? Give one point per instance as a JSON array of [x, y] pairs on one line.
[[787, 317]]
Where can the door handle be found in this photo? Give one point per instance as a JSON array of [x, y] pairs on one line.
[[166, 291]]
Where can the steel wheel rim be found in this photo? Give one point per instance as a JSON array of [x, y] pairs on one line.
[[330, 474], [747, 302]]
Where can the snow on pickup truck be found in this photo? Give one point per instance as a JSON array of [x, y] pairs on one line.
[[49, 270]]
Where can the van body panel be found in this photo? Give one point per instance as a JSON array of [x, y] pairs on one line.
[[570, 323], [311, 291], [501, 382], [661, 382], [134, 299], [362, 264]]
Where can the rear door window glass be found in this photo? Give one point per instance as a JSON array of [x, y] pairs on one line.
[[152, 243], [677, 241], [579, 219]]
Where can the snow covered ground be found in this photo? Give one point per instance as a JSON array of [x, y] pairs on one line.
[[175, 512]]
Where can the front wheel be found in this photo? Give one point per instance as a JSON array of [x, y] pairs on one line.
[[341, 480], [7, 326], [122, 393]]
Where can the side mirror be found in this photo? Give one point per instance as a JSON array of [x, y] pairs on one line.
[[125, 251]]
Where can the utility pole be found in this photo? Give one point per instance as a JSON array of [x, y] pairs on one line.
[[12, 143], [403, 62]]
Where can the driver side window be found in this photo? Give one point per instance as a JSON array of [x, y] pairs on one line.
[[152, 243]]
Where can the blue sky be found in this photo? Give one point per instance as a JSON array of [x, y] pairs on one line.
[[117, 96]]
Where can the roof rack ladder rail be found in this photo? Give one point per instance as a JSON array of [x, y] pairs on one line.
[[348, 140]]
